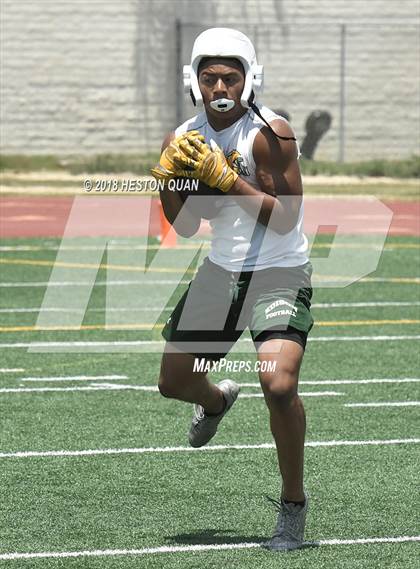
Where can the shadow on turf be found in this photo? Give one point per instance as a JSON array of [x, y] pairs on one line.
[[212, 537], [216, 537]]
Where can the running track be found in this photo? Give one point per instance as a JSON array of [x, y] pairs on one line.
[[24, 216]]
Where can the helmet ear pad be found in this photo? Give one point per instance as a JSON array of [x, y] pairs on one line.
[[254, 78], [246, 93], [191, 84]]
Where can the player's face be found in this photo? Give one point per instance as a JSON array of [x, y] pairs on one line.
[[222, 79]]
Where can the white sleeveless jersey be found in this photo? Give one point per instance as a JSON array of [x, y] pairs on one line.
[[239, 243]]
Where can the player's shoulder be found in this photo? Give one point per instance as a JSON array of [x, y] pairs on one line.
[[275, 120], [267, 113], [194, 123], [279, 125]]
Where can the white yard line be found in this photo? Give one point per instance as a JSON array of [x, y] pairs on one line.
[[209, 448], [28, 310], [154, 388], [89, 283], [197, 548], [385, 404], [411, 280], [137, 343], [119, 387], [302, 394], [75, 378], [122, 247], [363, 304], [135, 387], [363, 338], [254, 384], [110, 387], [81, 344], [154, 308], [81, 311], [343, 381], [11, 370]]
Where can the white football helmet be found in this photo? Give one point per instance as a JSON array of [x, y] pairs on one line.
[[224, 42]]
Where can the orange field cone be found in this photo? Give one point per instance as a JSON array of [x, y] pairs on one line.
[[167, 235]]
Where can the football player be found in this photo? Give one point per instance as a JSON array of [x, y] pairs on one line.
[[257, 274]]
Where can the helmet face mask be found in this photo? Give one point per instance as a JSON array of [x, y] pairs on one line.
[[224, 43]]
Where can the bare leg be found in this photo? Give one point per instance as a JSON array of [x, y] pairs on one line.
[[287, 415], [178, 381]]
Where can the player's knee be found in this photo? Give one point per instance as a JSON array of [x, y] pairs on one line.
[[280, 389], [167, 381], [166, 387]]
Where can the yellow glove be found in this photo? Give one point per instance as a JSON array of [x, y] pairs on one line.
[[209, 166], [168, 167]]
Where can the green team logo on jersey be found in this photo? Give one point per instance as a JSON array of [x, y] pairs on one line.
[[236, 162]]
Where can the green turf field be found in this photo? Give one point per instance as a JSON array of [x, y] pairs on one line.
[[126, 491]]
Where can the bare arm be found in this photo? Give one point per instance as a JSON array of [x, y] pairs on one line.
[[184, 223], [278, 175]]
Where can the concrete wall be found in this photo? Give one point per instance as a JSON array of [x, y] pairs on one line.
[[99, 76]]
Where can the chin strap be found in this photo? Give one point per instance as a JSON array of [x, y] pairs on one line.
[[257, 112]]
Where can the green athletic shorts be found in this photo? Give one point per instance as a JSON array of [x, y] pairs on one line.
[[219, 305]]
